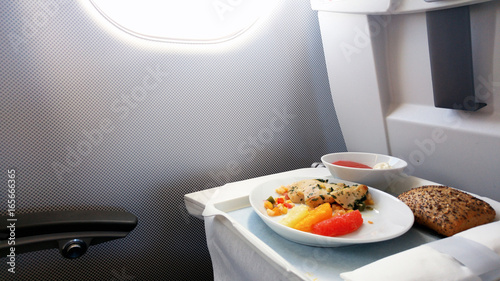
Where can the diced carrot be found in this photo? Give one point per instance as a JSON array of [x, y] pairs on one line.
[[268, 205], [274, 212], [281, 190], [320, 213]]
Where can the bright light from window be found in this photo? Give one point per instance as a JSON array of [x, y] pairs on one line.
[[198, 21]]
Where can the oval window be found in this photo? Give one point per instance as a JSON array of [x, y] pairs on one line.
[[197, 21]]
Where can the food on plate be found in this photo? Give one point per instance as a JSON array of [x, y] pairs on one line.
[[277, 206], [314, 192], [309, 202], [447, 210], [295, 215], [318, 214], [339, 225]]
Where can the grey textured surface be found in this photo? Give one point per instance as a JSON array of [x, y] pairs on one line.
[[89, 121]]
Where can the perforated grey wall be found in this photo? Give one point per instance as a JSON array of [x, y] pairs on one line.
[[91, 121]]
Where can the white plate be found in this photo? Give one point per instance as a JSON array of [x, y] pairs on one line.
[[391, 218]]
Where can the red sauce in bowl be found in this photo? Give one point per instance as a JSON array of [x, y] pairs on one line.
[[351, 164]]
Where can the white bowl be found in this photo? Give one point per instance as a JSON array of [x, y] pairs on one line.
[[377, 178]]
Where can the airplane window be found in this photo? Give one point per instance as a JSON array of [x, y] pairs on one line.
[[196, 21]]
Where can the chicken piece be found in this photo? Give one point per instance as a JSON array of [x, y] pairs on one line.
[[310, 192], [314, 192], [348, 197]]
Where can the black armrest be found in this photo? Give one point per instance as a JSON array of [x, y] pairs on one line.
[[70, 231]]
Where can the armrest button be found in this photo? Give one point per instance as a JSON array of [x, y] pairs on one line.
[[74, 248]]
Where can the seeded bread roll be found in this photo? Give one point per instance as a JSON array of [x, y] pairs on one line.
[[447, 210]]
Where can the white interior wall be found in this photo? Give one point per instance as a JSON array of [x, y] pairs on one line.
[[380, 79], [453, 147]]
